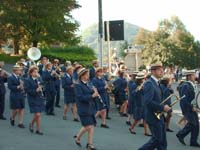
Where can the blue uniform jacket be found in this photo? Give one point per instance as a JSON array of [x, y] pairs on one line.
[[49, 82], [2, 85], [137, 97], [40, 66], [92, 73], [85, 102], [57, 81], [99, 85], [66, 85], [131, 104], [15, 94], [120, 85], [34, 97], [152, 100], [187, 90], [166, 93]]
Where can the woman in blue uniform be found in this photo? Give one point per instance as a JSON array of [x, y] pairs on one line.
[[34, 91], [120, 85], [131, 87], [17, 102], [101, 86], [85, 97], [137, 96], [69, 95], [165, 84]]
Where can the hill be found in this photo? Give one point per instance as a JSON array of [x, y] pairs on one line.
[[90, 36]]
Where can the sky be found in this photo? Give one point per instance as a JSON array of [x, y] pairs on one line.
[[144, 13]]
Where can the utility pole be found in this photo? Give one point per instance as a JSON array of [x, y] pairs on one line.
[[100, 33]]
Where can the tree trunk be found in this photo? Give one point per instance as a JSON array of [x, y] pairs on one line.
[[35, 43], [16, 47]]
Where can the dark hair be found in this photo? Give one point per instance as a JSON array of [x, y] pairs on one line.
[[164, 82], [33, 68], [138, 81]]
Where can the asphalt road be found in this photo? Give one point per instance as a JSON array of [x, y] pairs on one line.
[[58, 134]]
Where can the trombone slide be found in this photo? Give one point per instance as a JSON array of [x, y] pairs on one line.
[[159, 114]]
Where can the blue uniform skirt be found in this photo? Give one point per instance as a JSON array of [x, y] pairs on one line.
[[88, 120], [36, 106], [139, 113], [69, 99], [17, 103]]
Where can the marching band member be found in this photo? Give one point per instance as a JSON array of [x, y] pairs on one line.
[[107, 78], [85, 97], [35, 99], [101, 86], [41, 66], [49, 77], [137, 96], [3, 78], [121, 89], [17, 101], [189, 110], [69, 95], [131, 87], [165, 84], [152, 100], [75, 72], [57, 82], [95, 64]]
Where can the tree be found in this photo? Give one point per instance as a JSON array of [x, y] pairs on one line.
[[170, 44], [41, 20]]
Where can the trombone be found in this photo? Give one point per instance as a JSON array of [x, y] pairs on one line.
[[159, 114]]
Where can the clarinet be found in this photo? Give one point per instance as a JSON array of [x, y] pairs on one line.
[[99, 97]]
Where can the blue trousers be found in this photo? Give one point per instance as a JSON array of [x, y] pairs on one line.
[[158, 140], [192, 126], [57, 94], [50, 100]]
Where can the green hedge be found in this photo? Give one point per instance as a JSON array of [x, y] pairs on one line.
[[83, 55], [9, 59]]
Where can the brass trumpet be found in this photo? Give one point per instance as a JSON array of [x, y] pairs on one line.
[[159, 114]]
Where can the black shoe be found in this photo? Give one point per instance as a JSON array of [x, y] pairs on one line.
[[12, 122], [108, 118], [124, 115], [21, 126], [2, 118], [146, 134], [31, 128], [128, 123], [195, 144], [90, 147], [76, 120], [140, 125], [169, 130], [58, 106], [132, 132], [104, 126], [180, 139], [39, 133], [76, 141]]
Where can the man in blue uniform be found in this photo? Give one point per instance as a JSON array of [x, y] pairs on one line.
[[49, 77], [152, 100], [3, 78], [92, 70], [189, 111], [57, 82]]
